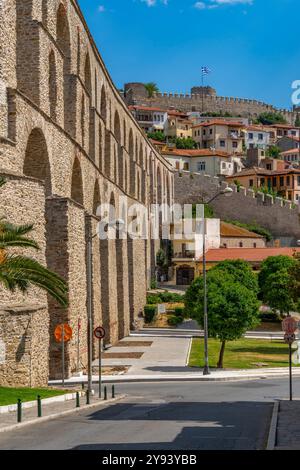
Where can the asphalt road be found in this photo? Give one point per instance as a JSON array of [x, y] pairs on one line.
[[175, 416]]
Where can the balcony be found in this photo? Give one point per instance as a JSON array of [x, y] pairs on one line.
[[185, 255]]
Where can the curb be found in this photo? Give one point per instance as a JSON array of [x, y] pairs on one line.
[[44, 419], [152, 379], [273, 428]]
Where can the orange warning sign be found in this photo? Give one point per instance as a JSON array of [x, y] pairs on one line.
[[61, 330]]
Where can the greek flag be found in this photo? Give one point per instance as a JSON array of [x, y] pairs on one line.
[[205, 70]]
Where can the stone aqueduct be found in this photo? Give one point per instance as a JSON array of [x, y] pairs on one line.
[[67, 143]]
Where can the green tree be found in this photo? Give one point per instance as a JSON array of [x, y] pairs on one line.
[[269, 118], [275, 281], [241, 271], [273, 151], [297, 121], [232, 307], [158, 135], [277, 292], [185, 143], [151, 88], [21, 272]]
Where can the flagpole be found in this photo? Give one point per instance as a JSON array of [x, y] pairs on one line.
[[202, 92]]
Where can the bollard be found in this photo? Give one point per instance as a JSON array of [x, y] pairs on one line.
[[39, 406], [77, 400], [82, 386], [87, 397], [113, 391], [105, 393], [19, 410]]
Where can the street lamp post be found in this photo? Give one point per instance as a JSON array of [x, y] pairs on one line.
[[226, 192]]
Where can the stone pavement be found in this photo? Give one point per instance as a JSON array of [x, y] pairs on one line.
[[288, 426]]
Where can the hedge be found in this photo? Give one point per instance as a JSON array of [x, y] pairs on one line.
[[149, 313], [173, 320]]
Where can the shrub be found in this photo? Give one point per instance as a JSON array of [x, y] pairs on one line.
[[173, 320], [170, 297], [149, 313], [153, 299], [153, 284], [179, 312]]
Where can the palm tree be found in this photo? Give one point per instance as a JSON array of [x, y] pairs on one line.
[[20, 272], [151, 89]]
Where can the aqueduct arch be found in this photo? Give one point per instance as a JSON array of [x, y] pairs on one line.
[[36, 162]]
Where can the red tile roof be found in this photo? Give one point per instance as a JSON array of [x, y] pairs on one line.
[[231, 230], [196, 153], [220, 122], [248, 254]]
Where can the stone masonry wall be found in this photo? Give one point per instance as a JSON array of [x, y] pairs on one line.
[[281, 219]]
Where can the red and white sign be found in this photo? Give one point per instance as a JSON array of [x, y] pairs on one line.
[[290, 325], [99, 332]]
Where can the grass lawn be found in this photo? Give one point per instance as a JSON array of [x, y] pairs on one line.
[[9, 396], [242, 354]]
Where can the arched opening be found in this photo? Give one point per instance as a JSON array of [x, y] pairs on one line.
[[141, 157], [64, 43], [117, 127], [185, 275], [96, 90], [100, 135], [77, 186], [82, 123], [159, 186], [96, 198], [131, 145], [103, 110], [52, 86], [124, 133], [115, 165], [36, 163], [87, 74]]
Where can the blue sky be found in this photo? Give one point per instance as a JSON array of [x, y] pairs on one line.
[[252, 46]]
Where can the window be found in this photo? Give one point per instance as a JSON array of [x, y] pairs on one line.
[[222, 143], [201, 166], [260, 137], [177, 165], [298, 180], [250, 135], [204, 131], [274, 181], [293, 133], [254, 245], [281, 181], [186, 166], [269, 166], [234, 145], [288, 180], [224, 165], [210, 131], [251, 183], [241, 244], [297, 197]]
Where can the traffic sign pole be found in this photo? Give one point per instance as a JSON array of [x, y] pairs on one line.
[[63, 355], [291, 372], [100, 367]]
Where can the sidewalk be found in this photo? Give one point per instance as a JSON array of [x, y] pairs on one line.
[[8, 421], [288, 426]]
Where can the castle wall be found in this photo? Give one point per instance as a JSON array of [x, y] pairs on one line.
[[281, 219]]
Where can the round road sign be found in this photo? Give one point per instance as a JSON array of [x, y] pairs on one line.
[[290, 325], [58, 333], [99, 332]]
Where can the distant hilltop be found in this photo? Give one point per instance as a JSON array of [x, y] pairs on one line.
[[203, 100]]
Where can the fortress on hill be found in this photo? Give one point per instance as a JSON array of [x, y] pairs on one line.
[[201, 99]]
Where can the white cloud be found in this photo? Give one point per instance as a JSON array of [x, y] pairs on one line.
[[152, 3], [210, 4]]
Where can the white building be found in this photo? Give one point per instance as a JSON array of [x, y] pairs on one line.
[[149, 118], [206, 161], [257, 137]]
